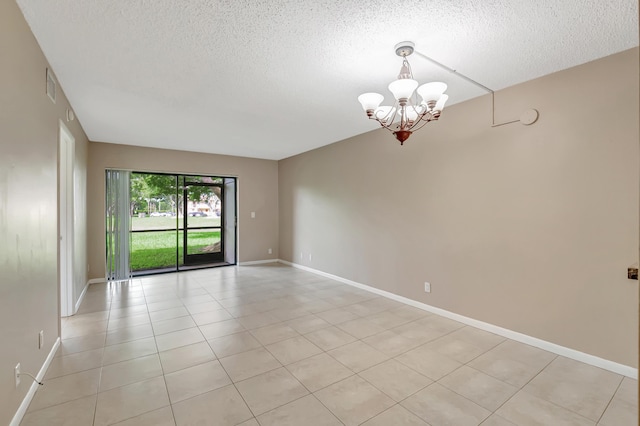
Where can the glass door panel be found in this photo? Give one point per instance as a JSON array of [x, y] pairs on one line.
[[153, 211], [203, 239]]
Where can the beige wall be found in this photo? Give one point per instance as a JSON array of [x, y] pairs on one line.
[[28, 207], [257, 192], [530, 228]]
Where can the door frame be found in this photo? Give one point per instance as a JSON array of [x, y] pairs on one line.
[[198, 259], [66, 214]]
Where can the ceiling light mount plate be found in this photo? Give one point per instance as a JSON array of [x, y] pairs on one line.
[[405, 48]]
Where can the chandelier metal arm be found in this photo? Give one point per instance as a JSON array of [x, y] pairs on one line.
[[383, 125], [472, 81], [451, 70], [493, 113], [423, 119], [422, 122]]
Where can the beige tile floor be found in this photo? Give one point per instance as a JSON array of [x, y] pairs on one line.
[[273, 345]]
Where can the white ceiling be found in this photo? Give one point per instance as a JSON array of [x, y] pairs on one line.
[[274, 78]]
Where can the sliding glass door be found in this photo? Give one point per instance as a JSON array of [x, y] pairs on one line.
[[202, 218], [180, 221]]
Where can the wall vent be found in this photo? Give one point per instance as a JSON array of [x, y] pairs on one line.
[[51, 86]]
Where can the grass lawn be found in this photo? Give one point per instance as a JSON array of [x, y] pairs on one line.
[[153, 250], [161, 222]]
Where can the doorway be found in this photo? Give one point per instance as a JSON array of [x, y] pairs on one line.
[[202, 219], [66, 149]]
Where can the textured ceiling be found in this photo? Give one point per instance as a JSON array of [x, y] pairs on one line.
[[274, 78]]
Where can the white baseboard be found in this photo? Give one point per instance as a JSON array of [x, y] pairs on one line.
[[258, 262], [81, 298], [84, 292], [22, 410], [605, 364]]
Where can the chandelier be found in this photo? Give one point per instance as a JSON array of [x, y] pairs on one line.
[[407, 114]]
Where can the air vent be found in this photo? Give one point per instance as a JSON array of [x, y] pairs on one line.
[[51, 86]]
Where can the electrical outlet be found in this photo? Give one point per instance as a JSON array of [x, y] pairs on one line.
[[427, 287], [16, 373], [41, 339], [309, 256], [301, 255], [270, 251], [253, 215]]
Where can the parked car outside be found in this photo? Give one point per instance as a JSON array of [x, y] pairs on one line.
[[198, 214]]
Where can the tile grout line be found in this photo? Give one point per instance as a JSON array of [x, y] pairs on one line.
[[122, 361], [522, 389], [95, 408], [610, 401], [231, 380], [164, 378]]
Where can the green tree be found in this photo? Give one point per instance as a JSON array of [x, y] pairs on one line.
[[150, 190], [140, 193]]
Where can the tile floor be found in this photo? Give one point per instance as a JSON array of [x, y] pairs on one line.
[[273, 345]]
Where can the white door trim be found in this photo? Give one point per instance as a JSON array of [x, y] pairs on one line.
[[65, 220]]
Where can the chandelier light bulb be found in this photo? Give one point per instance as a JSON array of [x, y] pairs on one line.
[[431, 92], [440, 104], [370, 101], [403, 88]]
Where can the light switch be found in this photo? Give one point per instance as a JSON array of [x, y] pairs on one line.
[[253, 215]]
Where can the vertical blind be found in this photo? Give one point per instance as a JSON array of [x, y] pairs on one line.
[[118, 224]]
